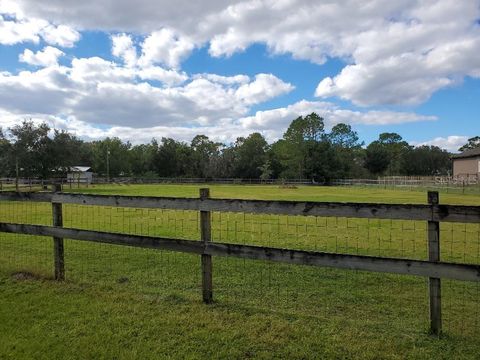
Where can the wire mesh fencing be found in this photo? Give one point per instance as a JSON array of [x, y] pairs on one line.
[[349, 294], [147, 271], [26, 255], [295, 290]]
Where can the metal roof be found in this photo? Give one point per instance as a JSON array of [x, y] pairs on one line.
[[80, 168]]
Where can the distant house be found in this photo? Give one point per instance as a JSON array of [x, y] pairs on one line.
[[467, 162], [80, 174]]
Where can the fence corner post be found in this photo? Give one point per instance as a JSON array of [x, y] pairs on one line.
[[206, 236], [435, 293], [58, 249]]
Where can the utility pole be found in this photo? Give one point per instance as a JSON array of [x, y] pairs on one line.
[[108, 165], [16, 173]]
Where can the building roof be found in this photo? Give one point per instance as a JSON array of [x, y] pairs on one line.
[[468, 154], [80, 168]]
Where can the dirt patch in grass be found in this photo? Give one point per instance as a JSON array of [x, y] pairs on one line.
[[288, 186], [25, 276]]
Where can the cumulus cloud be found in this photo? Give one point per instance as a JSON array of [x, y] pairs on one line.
[[142, 16], [167, 76], [264, 87], [165, 47], [98, 91], [451, 143], [122, 47], [397, 52], [227, 80], [61, 35], [12, 32], [394, 53], [275, 121], [16, 27], [230, 130], [272, 124], [46, 57]]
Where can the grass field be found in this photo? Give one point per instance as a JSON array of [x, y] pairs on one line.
[[127, 303]]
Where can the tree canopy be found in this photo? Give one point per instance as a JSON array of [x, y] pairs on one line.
[[472, 143], [306, 151]]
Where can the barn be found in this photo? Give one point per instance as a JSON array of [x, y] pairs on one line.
[[80, 174], [467, 162]]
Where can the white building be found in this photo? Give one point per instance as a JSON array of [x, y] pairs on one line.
[[80, 174]]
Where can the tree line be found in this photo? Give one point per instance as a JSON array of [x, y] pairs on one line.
[[305, 151]]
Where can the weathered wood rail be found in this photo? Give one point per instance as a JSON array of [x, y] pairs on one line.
[[433, 214]]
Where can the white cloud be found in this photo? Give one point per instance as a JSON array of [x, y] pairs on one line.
[[264, 87], [98, 91], [94, 70], [451, 143], [407, 60], [88, 131], [46, 57], [406, 78], [165, 47], [143, 16], [61, 35], [398, 52], [274, 122], [122, 47], [226, 80], [16, 27], [168, 77], [13, 32]]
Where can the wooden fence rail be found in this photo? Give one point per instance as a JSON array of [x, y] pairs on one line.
[[433, 213]]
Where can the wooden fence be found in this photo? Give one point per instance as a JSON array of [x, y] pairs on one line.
[[433, 214], [442, 182]]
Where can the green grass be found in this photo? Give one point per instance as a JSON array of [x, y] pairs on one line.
[[126, 303], [274, 192]]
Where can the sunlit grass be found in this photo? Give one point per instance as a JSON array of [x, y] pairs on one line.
[[121, 302]]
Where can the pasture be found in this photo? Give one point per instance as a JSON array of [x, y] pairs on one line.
[[120, 302]]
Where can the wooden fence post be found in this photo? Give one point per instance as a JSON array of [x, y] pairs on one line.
[[206, 236], [435, 288], [58, 250]]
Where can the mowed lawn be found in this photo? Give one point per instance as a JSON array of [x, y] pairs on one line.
[[126, 303]]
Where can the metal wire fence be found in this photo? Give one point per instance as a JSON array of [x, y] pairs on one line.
[[300, 291]]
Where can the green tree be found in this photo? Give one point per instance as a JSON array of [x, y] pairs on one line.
[[142, 157], [6, 168], [323, 163], [32, 149], [342, 136], [396, 148], [426, 161], [66, 150], [250, 155], [308, 128], [223, 165], [110, 157], [172, 158], [472, 143], [292, 153], [204, 151], [348, 149], [377, 158]]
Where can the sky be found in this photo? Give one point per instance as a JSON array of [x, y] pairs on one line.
[[152, 68]]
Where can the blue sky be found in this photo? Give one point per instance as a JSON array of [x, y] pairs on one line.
[[228, 68]]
